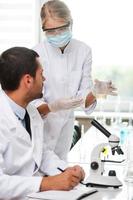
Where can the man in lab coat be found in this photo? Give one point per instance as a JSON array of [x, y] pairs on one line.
[[22, 159]]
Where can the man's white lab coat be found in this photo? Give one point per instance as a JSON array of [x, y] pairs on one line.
[[20, 157]]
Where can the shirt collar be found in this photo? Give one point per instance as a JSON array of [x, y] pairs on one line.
[[18, 110]]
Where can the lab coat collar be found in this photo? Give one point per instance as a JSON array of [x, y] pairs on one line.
[[17, 109], [30, 110], [6, 109], [37, 136], [68, 48]]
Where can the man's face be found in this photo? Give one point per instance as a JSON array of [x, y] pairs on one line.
[[38, 82]]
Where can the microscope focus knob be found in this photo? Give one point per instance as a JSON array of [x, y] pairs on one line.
[[94, 165], [112, 173]]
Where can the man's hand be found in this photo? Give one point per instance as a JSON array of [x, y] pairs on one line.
[[67, 180], [79, 171], [65, 104]]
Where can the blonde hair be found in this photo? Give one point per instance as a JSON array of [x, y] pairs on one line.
[[55, 9]]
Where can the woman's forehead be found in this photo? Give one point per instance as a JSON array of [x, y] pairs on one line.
[[51, 22]]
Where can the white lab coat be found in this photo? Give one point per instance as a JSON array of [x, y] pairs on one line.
[[67, 75], [18, 153]]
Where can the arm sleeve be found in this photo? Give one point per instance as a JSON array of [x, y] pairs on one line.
[[50, 162], [86, 80], [15, 186]]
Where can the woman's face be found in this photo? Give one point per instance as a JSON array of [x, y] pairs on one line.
[[58, 32]]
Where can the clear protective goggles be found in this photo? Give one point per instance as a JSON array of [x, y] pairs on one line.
[[57, 30]]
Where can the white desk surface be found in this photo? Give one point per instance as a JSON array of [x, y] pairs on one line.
[[124, 193], [82, 114]]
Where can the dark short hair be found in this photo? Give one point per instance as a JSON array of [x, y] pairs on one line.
[[14, 64]]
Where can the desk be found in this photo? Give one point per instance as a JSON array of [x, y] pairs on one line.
[[82, 114], [80, 154], [85, 119], [124, 193]]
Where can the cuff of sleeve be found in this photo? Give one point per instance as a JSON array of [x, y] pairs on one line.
[[36, 184], [94, 92], [90, 109], [38, 102], [35, 187]]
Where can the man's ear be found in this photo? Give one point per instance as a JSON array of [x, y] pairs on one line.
[[28, 81]]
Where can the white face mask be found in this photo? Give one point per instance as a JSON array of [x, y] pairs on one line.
[[60, 40]]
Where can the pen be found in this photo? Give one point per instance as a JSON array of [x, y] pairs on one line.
[[64, 171], [60, 169], [86, 195]]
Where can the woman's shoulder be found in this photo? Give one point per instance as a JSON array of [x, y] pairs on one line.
[[39, 46], [80, 43]]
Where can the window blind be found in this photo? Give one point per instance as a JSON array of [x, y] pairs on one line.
[[19, 23]]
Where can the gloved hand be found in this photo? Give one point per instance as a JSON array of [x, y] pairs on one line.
[[103, 88], [65, 104]]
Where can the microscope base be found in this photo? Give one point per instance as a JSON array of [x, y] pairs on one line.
[[103, 181]]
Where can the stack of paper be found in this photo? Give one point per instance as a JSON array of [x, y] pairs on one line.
[[75, 194]]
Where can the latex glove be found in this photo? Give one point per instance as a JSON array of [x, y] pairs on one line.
[[104, 88], [65, 104]]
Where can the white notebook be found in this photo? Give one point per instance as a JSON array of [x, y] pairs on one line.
[[76, 194]]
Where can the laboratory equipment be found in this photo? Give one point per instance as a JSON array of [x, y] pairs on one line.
[[129, 167], [97, 177]]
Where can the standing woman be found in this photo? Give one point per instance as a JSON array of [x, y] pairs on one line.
[[67, 66]]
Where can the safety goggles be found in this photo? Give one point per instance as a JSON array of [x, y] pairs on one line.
[[57, 30]]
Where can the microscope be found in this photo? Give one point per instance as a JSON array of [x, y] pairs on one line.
[[97, 177]]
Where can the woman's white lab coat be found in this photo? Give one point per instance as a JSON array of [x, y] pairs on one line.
[[67, 74], [20, 158]]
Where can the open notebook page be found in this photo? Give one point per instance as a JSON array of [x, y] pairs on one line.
[[63, 195]]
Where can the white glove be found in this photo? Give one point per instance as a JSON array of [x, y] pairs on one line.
[[65, 104], [104, 88]]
